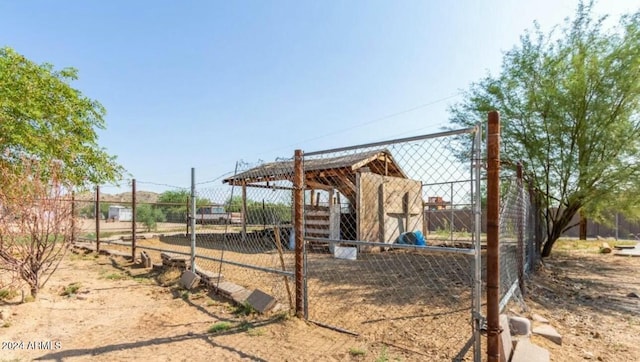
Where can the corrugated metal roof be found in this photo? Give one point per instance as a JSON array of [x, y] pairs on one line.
[[283, 170]]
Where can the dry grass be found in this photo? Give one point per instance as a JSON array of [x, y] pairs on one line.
[[169, 277], [588, 246]]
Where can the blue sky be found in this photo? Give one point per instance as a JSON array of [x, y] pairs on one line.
[[207, 83]]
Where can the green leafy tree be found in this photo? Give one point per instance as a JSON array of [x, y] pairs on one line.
[[259, 212], [43, 117], [89, 210], [174, 204], [149, 216], [570, 109]]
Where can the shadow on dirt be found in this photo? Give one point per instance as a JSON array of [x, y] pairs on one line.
[[207, 337], [601, 282]]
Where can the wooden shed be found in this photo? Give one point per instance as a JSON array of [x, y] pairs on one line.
[[381, 202]]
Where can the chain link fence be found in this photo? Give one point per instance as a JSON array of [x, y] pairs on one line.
[[520, 227], [244, 236], [391, 239], [378, 263]]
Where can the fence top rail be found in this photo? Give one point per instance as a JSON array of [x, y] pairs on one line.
[[439, 249], [397, 140]]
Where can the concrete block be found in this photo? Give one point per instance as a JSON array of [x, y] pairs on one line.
[[525, 351], [146, 259], [173, 257], [540, 319], [241, 296], [189, 280], [505, 339], [229, 288], [519, 326], [261, 301], [628, 252], [210, 278], [122, 254], [549, 333]]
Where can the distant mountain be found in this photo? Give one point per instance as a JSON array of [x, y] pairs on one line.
[[125, 197]]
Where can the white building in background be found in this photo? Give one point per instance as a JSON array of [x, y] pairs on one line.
[[120, 213]]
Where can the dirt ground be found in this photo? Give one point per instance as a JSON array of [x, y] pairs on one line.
[[587, 297], [121, 312], [419, 302]]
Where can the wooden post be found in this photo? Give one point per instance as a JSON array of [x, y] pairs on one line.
[[133, 220], [493, 229], [520, 261], [278, 242], [97, 219], [386, 165], [407, 212], [264, 217], [244, 211], [298, 197], [73, 217], [537, 221]]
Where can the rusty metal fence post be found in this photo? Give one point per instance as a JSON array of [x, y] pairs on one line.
[[73, 217], [133, 220], [493, 229], [97, 219], [298, 201], [520, 250]]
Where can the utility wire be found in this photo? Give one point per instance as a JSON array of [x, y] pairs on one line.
[[333, 133], [160, 184], [375, 120], [216, 179]]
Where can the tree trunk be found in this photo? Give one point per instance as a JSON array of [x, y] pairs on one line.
[[551, 239], [559, 225], [583, 226], [34, 291]]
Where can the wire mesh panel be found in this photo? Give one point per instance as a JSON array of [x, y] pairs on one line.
[[243, 231], [85, 211], [516, 239], [390, 232], [101, 211]]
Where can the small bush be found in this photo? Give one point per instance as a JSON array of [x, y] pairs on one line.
[[282, 316], [255, 332], [115, 276], [357, 352], [219, 327], [383, 357], [70, 289], [244, 309], [8, 294], [169, 277]]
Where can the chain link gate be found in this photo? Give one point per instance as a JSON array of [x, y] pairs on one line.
[[243, 232], [392, 243]]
